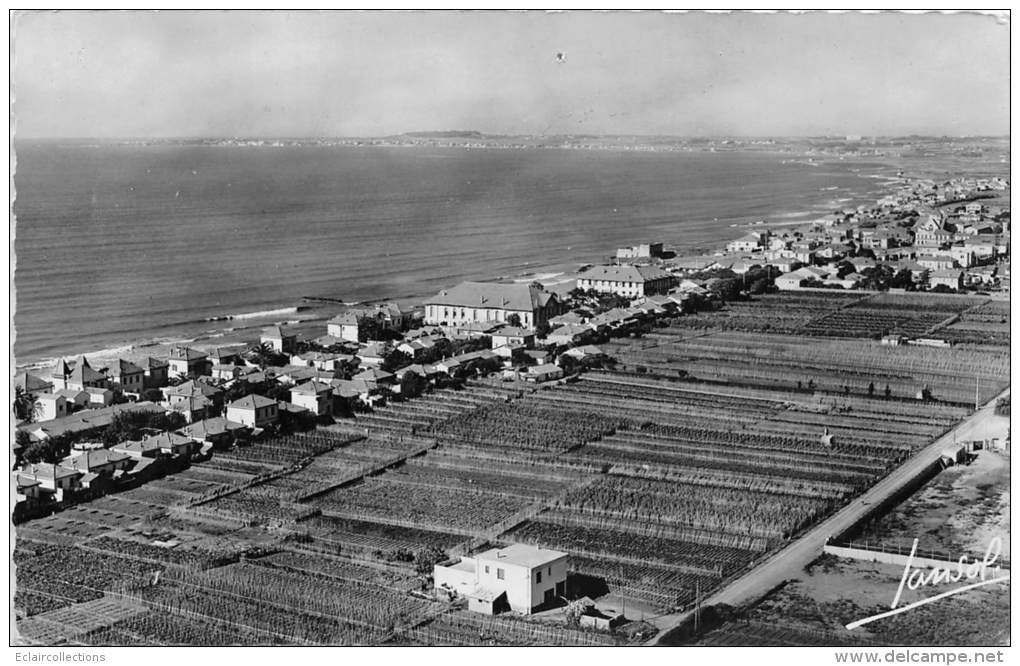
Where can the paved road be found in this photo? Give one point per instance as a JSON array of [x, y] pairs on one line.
[[790, 562]]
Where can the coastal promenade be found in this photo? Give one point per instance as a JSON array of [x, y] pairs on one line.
[[791, 560]]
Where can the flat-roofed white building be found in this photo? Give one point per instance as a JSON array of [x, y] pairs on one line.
[[520, 577]]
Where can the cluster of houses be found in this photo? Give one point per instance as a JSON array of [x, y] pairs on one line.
[[917, 230], [519, 331]]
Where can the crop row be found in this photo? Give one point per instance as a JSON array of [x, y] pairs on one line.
[[533, 427], [426, 506], [728, 510]]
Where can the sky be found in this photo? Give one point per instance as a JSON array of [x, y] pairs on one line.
[[307, 74]]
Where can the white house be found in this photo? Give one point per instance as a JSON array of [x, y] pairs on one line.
[[314, 396], [254, 411], [279, 339], [50, 406], [185, 361], [625, 280], [520, 577]]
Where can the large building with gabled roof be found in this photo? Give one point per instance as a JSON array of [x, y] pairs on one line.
[[494, 302], [626, 280]]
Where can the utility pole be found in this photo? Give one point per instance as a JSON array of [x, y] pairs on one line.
[[977, 392]]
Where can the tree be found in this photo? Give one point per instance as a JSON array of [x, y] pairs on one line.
[[426, 559], [514, 319], [844, 268], [412, 385], [888, 391], [24, 404], [871, 389], [725, 289], [395, 360]]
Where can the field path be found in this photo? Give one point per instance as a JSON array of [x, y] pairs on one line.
[[790, 561]]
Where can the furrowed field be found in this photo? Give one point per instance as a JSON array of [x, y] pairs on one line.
[[714, 442]]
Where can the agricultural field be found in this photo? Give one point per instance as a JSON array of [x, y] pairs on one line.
[[987, 324], [716, 441], [846, 366]]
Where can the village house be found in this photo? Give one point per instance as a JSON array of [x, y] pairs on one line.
[[49, 406], [951, 278], [196, 396], [962, 255], [794, 280], [85, 422], [126, 377], [279, 339], [626, 280], [750, 243], [254, 411], [229, 355], [422, 346], [569, 335], [98, 461], [157, 373], [140, 450], [314, 396], [492, 302], [644, 251], [99, 396], [187, 362], [54, 479], [933, 262], [520, 577], [75, 398], [78, 375], [32, 384], [545, 372], [217, 431], [172, 444], [374, 353], [344, 326], [512, 335]]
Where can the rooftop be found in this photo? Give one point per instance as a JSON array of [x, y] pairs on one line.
[[506, 296], [522, 555]]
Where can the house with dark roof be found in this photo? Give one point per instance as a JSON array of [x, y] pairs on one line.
[[216, 431], [187, 362], [626, 280], [279, 339], [98, 461], [492, 302], [157, 373], [30, 383], [77, 375], [172, 443], [125, 376], [316, 397], [254, 411]]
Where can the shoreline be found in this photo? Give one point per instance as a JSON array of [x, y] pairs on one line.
[[244, 327]]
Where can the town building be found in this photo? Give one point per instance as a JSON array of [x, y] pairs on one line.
[[279, 339], [49, 406], [626, 280], [492, 302], [644, 251], [254, 411], [187, 362], [952, 278], [520, 577], [314, 396], [157, 373], [126, 377]]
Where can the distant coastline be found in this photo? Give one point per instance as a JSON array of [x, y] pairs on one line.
[[226, 322]]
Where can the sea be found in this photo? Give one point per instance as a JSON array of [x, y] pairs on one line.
[[121, 248]]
